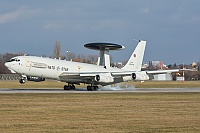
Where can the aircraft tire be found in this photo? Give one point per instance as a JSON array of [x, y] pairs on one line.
[[88, 88], [73, 87], [92, 88], [22, 81], [69, 87], [66, 87]]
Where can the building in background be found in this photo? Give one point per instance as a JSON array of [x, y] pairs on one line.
[[156, 64], [162, 77]]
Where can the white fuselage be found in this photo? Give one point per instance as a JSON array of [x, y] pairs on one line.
[[52, 68]]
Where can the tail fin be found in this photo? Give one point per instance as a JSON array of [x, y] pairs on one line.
[[135, 61]]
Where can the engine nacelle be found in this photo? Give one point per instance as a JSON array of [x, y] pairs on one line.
[[35, 79], [104, 78], [137, 76], [140, 76], [127, 78]]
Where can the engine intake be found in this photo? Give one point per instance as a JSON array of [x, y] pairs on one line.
[[104, 78], [133, 76], [97, 78], [140, 76], [137, 76]]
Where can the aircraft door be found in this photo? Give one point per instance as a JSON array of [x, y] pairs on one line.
[[28, 63]]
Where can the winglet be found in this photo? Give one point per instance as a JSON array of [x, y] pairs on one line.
[[135, 61]]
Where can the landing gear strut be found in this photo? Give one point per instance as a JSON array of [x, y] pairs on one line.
[[92, 88], [69, 87]]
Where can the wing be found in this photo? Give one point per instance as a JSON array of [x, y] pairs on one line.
[[162, 71], [87, 77], [167, 71], [105, 78], [102, 78], [92, 74], [76, 77]]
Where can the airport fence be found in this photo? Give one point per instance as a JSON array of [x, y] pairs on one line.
[[9, 77]]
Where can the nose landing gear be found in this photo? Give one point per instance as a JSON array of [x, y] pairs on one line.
[[22, 80]]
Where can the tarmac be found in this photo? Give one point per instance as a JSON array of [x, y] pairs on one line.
[[101, 90]]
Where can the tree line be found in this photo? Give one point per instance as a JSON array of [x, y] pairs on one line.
[[91, 59]]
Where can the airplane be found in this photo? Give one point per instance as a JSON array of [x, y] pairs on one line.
[[37, 69]]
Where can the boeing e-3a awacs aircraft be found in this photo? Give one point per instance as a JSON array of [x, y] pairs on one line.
[[38, 68]]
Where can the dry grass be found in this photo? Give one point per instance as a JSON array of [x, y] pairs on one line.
[[121, 112], [167, 84], [146, 84]]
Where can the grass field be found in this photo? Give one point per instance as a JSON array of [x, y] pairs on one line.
[[100, 112], [120, 112], [146, 84]]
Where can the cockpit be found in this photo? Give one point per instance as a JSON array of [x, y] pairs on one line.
[[14, 59], [12, 64]]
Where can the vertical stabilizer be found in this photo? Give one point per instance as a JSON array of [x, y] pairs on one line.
[[135, 61]]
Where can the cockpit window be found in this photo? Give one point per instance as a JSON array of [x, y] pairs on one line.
[[14, 59]]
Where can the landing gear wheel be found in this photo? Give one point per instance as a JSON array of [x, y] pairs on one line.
[[66, 87], [69, 87], [92, 88], [88, 88], [22, 81], [73, 87]]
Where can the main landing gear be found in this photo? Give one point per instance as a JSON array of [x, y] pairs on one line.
[[89, 87], [69, 87], [92, 88]]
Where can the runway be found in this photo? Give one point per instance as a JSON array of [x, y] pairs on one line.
[[83, 90]]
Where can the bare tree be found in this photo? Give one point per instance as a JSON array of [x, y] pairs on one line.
[[57, 50], [93, 58]]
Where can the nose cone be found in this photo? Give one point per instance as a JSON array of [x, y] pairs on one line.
[[7, 64]]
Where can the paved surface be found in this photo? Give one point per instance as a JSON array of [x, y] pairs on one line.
[[111, 90]]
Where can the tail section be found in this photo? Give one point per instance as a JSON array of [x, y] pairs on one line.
[[135, 61]]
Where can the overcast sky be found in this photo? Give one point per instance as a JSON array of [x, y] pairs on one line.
[[170, 27]]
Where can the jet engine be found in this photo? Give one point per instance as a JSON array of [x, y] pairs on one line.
[[35, 79], [137, 76], [104, 78], [140, 76]]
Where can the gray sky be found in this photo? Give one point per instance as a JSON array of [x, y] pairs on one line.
[[170, 27]]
